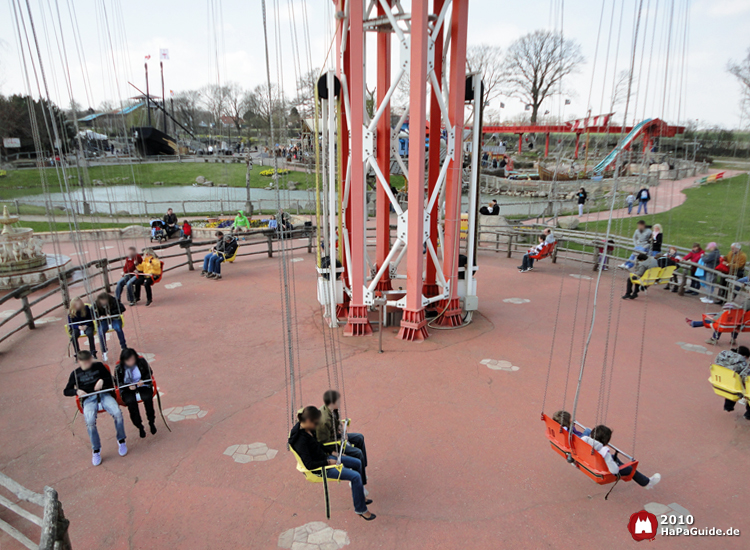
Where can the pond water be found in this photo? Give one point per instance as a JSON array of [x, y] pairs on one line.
[[140, 201]]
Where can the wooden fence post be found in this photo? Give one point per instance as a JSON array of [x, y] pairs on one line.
[[24, 297], [681, 290], [54, 525], [510, 244], [103, 264], [554, 252], [63, 278], [189, 253], [270, 245], [309, 242]]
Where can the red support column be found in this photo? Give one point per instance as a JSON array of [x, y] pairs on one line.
[[342, 64], [430, 285], [413, 324], [546, 145], [520, 143], [357, 324], [451, 307], [578, 139], [383, 139]]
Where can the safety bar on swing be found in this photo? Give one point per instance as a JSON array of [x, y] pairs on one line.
[[343, 442], [144, 382], [618, 451]]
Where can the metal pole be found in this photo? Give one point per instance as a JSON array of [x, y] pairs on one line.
[[471, 248], [332, 244]]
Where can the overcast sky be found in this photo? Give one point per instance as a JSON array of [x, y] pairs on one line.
[[222, 40]]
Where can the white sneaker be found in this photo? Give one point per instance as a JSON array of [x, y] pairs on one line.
[[742, 401], [653, 480], [104, 356], [622, 266], [122, 448], [96, 458], [706, 300]]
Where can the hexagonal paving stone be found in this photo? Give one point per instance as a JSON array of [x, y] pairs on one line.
[[298, 259], [45, 320], [696, 348], [254, 452], [7, 313], [494, 364], [516, 300], [170, 286], [668, 510], [314, 536], [188, 412], [584, 277]]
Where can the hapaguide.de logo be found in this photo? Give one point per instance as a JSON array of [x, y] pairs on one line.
[[643, 526]]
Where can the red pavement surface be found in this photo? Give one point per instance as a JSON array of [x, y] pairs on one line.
[[457, 451]]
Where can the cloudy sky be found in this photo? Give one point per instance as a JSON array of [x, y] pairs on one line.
[[102, 45]]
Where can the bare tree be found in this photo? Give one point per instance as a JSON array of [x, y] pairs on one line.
[[741, 71], [214, 98], [488, 61], [187, 108], [621, 89], [536, 63], [261, 106], [305, 100], [234, 105]]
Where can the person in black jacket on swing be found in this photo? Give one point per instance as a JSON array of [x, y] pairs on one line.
[[133, 376], [304, 442]]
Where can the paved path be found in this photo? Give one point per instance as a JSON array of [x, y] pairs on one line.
[[665, 196], [458, 456]]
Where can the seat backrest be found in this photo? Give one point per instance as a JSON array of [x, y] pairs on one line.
[[556, 434], [666, 274], [309, 476], [545, 251], [746, 322], [726, 382], [650, 276], [158, 277], [728, 321]]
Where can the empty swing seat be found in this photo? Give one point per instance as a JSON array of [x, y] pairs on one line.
[[727, 383], [585, 458], [650, 277], [324, 274]]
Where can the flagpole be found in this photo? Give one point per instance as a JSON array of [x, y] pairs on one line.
[[148, 100]]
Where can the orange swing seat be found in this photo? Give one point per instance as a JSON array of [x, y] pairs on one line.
[[583, 455]]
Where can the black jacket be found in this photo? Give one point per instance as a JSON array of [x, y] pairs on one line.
[[582, 196], [230, 248], [170, 219], [640, 194], [112, 308], [81, 319], [142, 365], [309, 449], [86, 379], [656, 242]]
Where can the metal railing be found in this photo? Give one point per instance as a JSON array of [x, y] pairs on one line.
[[101, 268], [54, 526]]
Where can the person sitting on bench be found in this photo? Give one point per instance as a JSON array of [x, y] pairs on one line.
[[133, 374], [527, 263], [312, 454], [170, 223], [329, 430], [490, 210], [89, 378]]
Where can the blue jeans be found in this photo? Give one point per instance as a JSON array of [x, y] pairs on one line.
[[631, 261], [527, 262], [126, 282], [116, 325], [212, 263], [352, 472], [355, 447], [644, 204], [630, 208], [90, 409]]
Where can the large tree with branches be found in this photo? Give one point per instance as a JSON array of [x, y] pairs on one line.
[[741, 71], [536, 63], [488, 61]]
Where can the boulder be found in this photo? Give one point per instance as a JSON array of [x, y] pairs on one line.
[[98, 183], [158, 183], [200, 179], [123, 213], [222, 185], [292, 185], [208, 184], [491, 223], [568, 223]]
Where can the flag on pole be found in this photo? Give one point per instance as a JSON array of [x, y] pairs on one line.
[[502, 105], [171, 93], [567, 102], [164, 54], [148, 57], [546, 112]]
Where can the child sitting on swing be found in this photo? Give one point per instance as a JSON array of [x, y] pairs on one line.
[[599, 440], [566, 421]]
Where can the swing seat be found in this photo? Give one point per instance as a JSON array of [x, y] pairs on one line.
[[731, 320], [99, 408], [324, 285], [228, 259], [651, 276], [585, 458], [118, 394], [110, 328], [726, 383], [310, 475], [545, 252], [666, 274]]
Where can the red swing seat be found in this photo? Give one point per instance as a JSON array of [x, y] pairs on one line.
[[138, 399], [731, 320], [583, 455], [99, 409], [545, 252]]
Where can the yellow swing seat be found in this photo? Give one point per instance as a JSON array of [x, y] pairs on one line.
[[229, 259], [650, 277], [311, 475], [666, 274], [727, 383]]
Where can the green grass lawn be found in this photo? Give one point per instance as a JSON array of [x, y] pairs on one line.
[[43, 227], [28, 181], [712, 212]]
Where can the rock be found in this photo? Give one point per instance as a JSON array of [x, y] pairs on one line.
[[59, 208], [292, 185], [490, 223], [200, 179], [158, 183], [98, 183], [208, 184], [568, 223], [123, 213], [222, 185]]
